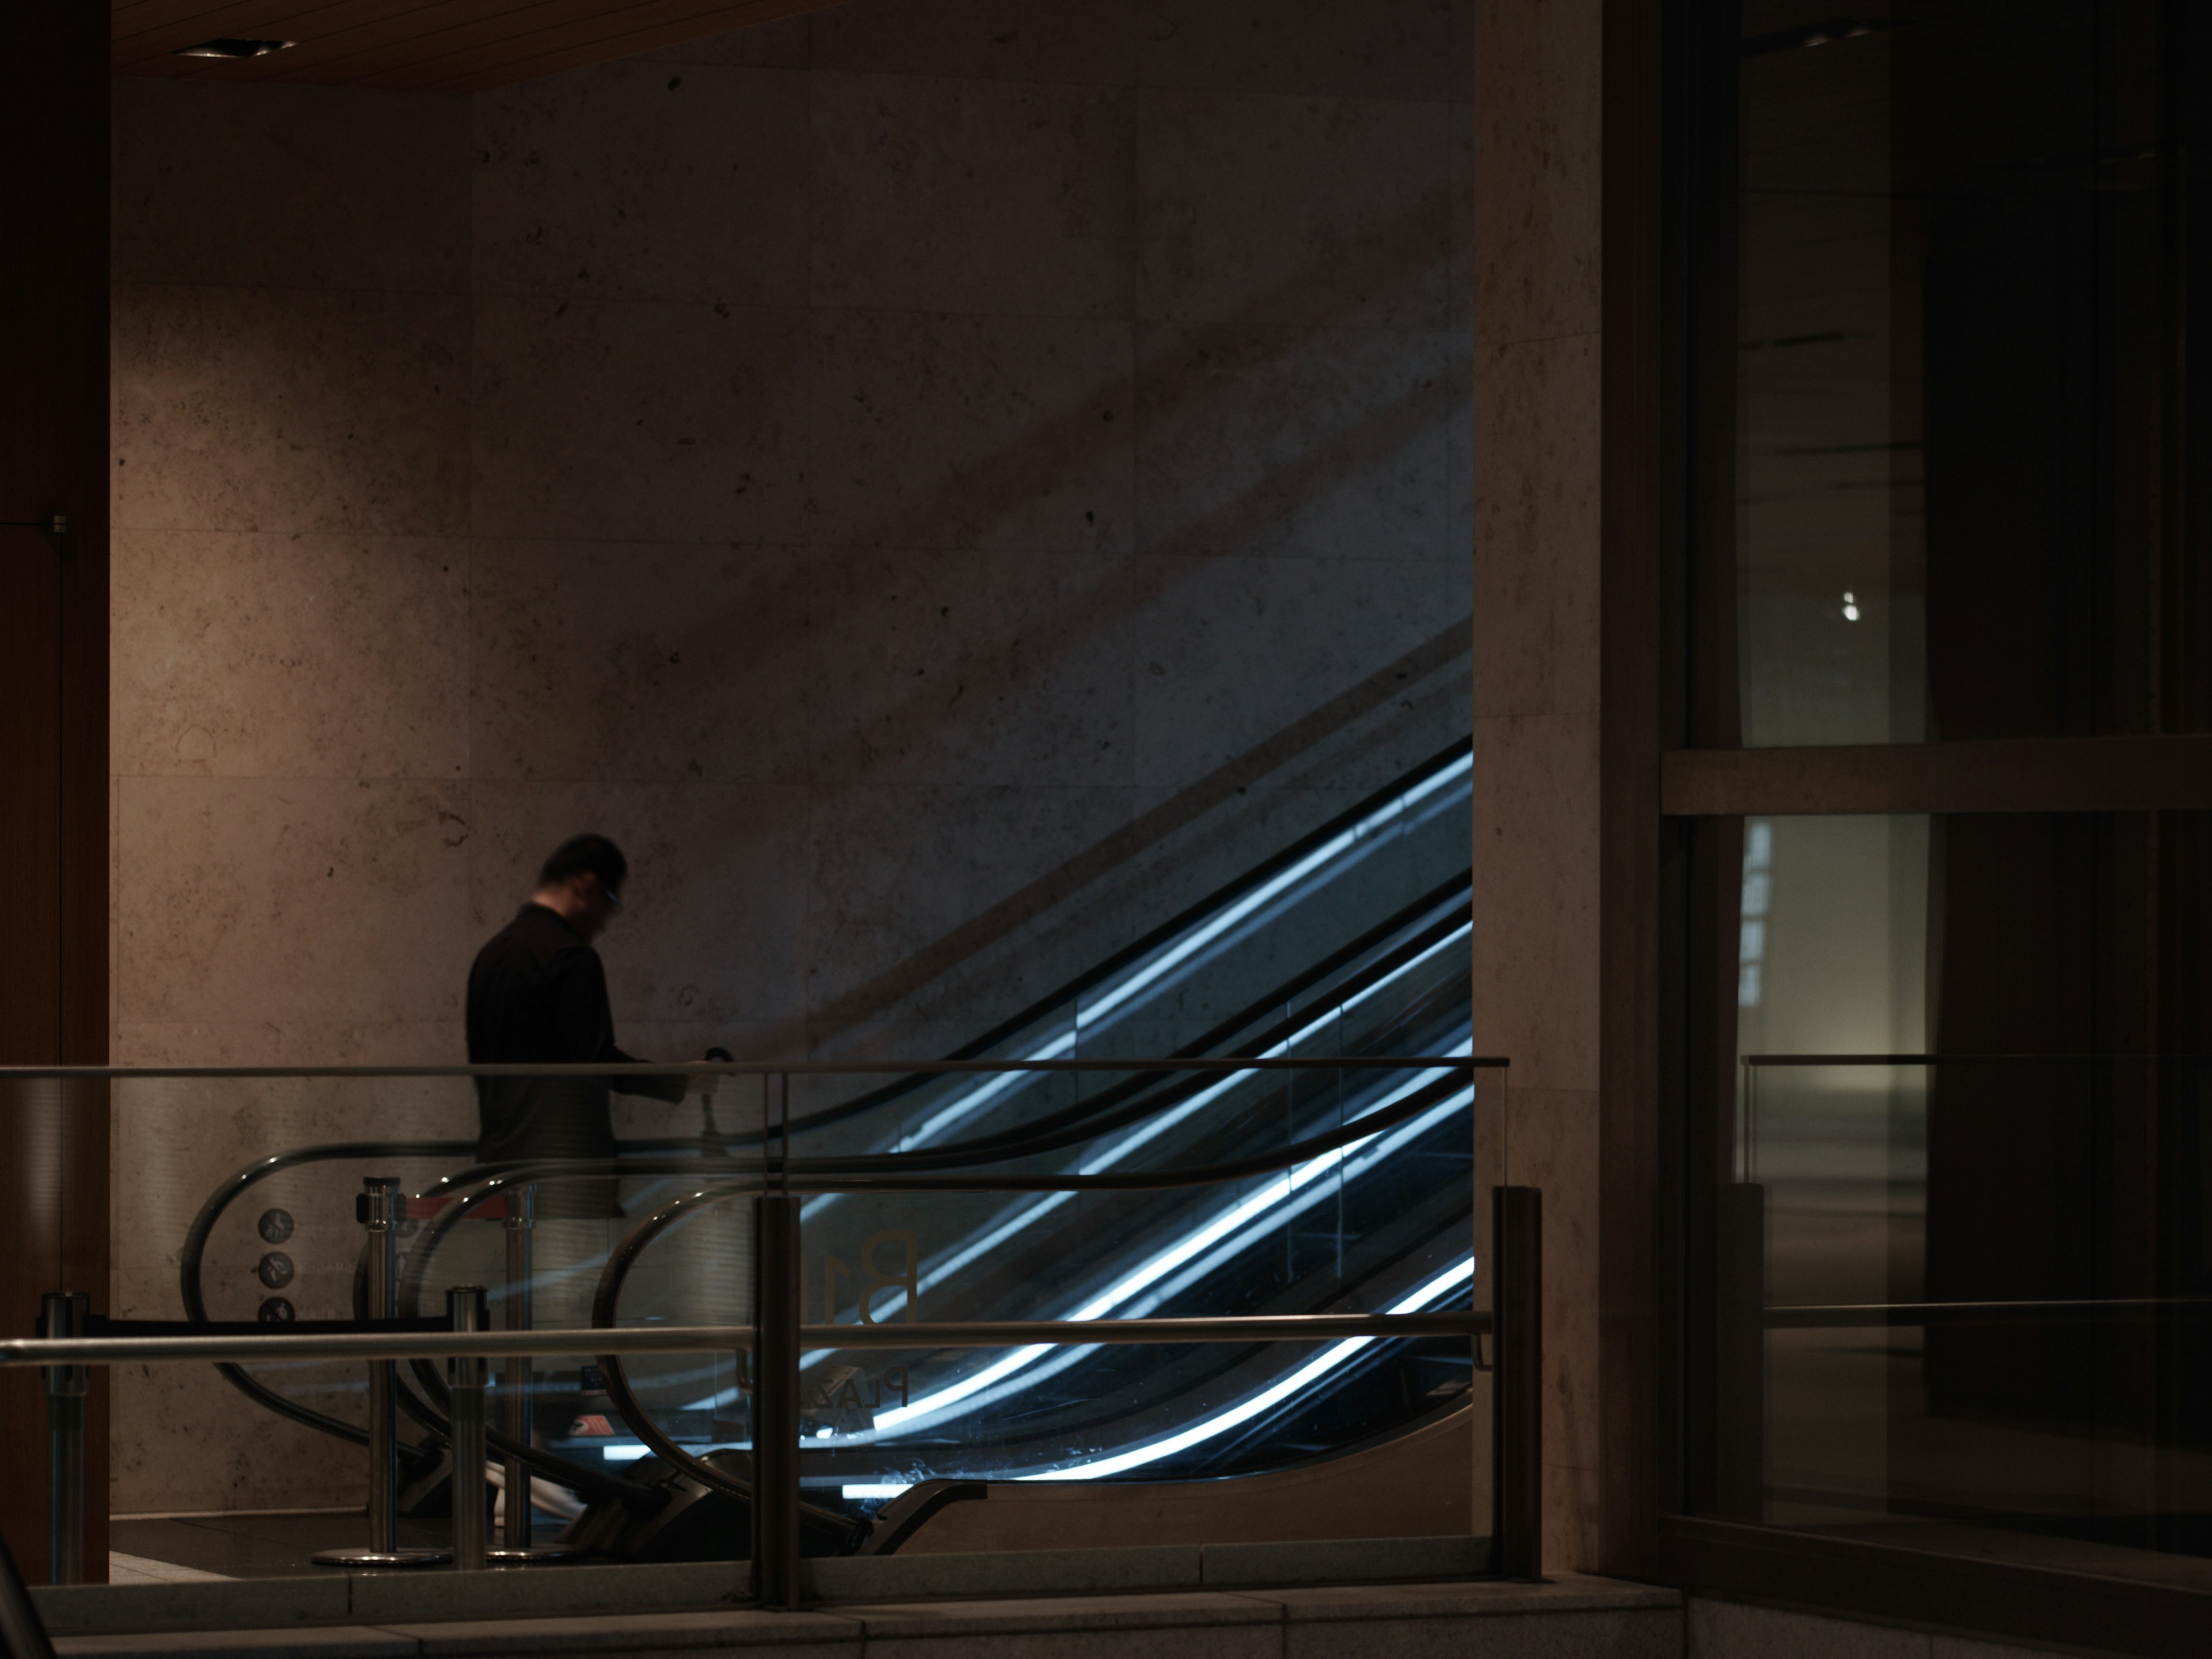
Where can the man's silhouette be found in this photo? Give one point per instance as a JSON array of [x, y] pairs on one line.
[[538, 996]]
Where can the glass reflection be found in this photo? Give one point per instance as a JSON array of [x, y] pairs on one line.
[[1965, 1246], [1955, 358]]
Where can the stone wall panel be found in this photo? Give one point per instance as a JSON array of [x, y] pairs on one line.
[[945, 485]]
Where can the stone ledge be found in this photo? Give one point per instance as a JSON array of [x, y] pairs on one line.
[[1041, 1615], [385, 1599], [1269, 1618], [1568, 1592]]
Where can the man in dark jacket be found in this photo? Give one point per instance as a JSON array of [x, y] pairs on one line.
[[538, 996]]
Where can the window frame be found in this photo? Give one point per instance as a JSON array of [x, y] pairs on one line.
[[1675, 787]]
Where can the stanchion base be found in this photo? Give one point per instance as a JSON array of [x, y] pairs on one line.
[[501, 1556], [369, 1558]]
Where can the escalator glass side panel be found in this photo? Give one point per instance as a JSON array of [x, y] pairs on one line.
[[1383, 1223], [1353, 942]]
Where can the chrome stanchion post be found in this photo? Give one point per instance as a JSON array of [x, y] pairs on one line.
[[517, 1381], [775, 1385], [465, 1381], [1516, 1474], [378, 1209], [517, 1387], [776, 1402], [65, 1312]]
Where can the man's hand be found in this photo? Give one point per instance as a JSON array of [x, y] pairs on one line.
[[704, 1084], [702, 1090]]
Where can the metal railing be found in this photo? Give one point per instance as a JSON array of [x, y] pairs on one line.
[[713, 1151], [777, 1336]]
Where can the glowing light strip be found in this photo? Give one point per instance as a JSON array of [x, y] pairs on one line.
[[1295, 1179], [1375, 1152], [1465, 931], [1299, 1179], [1161, 1124], [1328, 1360], [1008, 1382], [1275, 885], [983, 1246], [966, 1104], [1371, 1150], [933, 1407]]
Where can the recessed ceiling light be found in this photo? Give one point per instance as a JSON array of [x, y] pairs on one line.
[[228, 48]]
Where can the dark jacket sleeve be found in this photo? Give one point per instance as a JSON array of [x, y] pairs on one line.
[[585, 1019], [656, 1088]]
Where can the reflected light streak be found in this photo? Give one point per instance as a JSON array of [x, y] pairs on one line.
[[1315, 1369]]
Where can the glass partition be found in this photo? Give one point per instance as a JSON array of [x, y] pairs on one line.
[[1960, 287], [1330, 1166], [1965, 1232], [1963, 1328]]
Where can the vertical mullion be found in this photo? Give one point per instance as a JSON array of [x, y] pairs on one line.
[[1700, 881]]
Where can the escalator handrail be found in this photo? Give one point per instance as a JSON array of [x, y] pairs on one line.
[[1300, 983], [192, 1260], [1097, 1115], [607, 1298], [492, 1180], [1092, 1112], [1144, 946], [191, 1263], [189, 1259], [491, 1184], [631, 1409], [1191, 914]]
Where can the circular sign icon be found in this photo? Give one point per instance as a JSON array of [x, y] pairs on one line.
[[276, 1310], [276, 1270], [276, 1226]]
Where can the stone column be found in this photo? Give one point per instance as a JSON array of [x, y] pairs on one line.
[[1537, 146]]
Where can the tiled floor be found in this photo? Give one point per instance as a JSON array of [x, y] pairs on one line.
[[143, 1570]]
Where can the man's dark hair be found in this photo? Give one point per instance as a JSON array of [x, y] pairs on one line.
[[580, 852]]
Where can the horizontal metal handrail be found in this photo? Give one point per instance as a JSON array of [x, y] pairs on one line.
[[772, 1068], [1869, 1314], [784, 1167], [690, 1338]]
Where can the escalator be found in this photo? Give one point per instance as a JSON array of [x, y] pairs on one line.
[[1353, 942]]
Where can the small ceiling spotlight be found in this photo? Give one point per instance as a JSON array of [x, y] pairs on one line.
[[233, 49], [1850, 606]]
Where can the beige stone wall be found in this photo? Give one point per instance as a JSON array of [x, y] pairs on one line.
[[294, 816], [1535, 409], [868, 465]]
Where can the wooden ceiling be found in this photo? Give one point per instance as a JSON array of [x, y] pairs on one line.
[[442, 45]]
